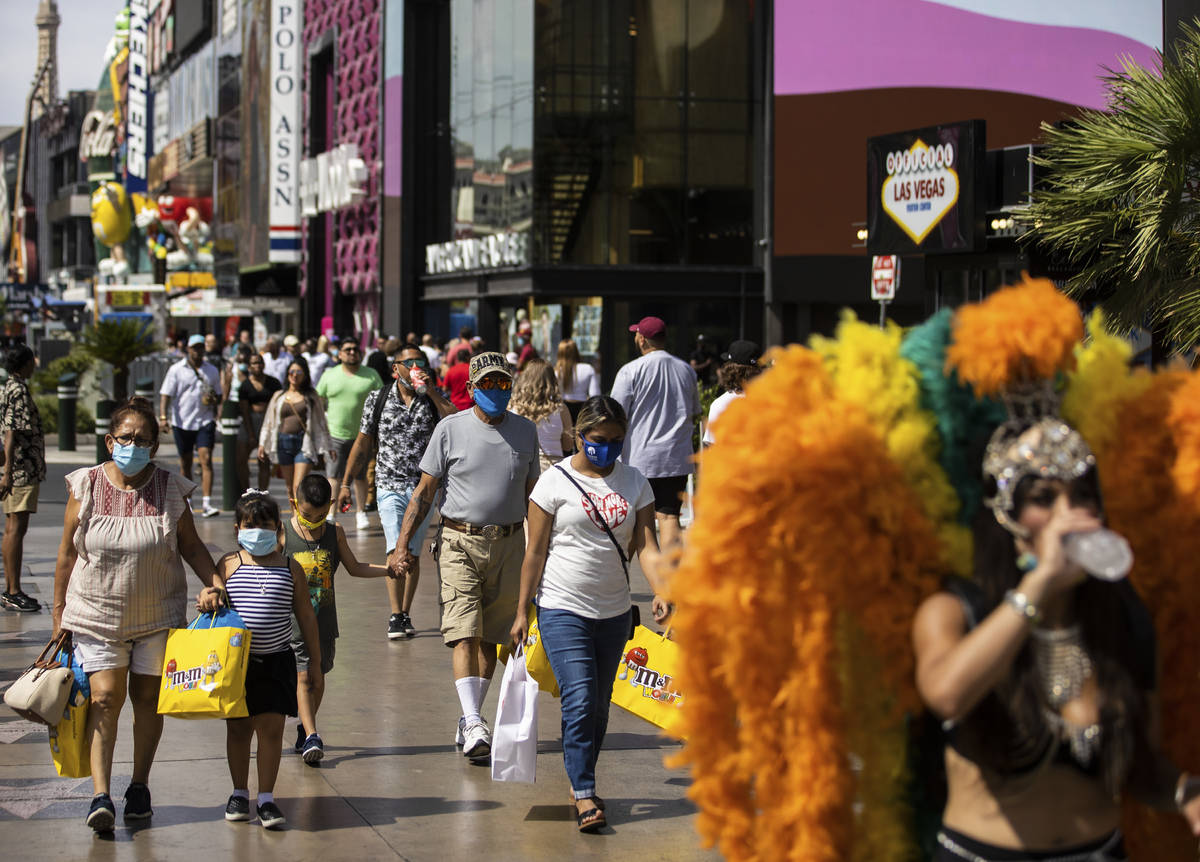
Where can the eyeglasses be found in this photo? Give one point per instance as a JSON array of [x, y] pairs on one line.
[[129, 439], [412, 363], [295, 372], [501, 383]]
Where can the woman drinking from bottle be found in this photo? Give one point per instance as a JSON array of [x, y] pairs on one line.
[[1045, 678]]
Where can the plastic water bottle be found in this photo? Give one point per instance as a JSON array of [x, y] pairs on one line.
[[1101, 553]]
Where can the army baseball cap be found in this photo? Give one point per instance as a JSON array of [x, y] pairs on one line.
[[484, 364]]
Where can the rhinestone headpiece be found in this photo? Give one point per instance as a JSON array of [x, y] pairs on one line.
[[1034, 441]]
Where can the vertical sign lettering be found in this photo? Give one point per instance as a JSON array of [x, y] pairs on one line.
[[137, 122], [287, 18]]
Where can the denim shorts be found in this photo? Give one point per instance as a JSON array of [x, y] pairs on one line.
[[391, 515], [290, 450]]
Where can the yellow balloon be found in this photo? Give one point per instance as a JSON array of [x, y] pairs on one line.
[[111, 215]]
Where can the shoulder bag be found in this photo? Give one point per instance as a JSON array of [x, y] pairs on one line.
[[208, 395], [40, 693], [635, 618]]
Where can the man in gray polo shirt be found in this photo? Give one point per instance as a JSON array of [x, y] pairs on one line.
[[487, 459]]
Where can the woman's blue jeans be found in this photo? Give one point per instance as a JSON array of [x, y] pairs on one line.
[[584, 654]]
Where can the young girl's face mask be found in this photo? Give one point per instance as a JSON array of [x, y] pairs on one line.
[[258, 541]]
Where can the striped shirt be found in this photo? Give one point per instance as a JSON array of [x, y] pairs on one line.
[[262, 595]]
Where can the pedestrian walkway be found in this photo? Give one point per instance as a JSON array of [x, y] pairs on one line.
[[392, 785]]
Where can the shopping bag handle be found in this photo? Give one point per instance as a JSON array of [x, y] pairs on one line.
[[192, 624]]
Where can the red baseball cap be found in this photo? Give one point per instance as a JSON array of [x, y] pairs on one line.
[[649, 327]]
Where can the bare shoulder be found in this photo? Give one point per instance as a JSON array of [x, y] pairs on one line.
[[939, 618], [227, 564]]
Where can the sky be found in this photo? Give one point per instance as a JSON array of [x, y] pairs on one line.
[[86, 27]]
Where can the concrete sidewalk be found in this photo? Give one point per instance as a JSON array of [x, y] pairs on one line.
[[392, 784]]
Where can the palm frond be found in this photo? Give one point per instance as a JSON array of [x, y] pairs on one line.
[[1121, 198]]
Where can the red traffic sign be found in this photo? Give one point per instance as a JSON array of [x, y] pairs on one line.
[[885, 277]]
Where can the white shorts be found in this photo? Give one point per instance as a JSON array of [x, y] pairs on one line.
[[144, 655]]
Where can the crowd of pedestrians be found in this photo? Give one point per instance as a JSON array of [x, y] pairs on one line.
[[464, 437]]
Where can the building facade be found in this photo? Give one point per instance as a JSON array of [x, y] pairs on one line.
[[584, 164]]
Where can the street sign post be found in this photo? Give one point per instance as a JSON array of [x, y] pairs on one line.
[[885, 279]]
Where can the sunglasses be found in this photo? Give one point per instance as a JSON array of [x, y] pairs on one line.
[[412, 363], [130, 440], [501, 383], [295, 372], [350, 348]]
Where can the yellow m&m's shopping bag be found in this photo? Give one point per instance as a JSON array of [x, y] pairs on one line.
[[204, 669], [645, 683]]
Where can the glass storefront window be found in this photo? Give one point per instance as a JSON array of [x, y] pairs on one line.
[[491, 115], [664, 177]]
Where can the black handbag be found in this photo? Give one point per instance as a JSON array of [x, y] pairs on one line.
[[635, 613]]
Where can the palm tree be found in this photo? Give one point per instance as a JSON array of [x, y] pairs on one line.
[[118, 342], [1121, 200]]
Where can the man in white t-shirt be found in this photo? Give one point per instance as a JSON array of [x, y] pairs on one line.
[[660, 396], [192, 390]]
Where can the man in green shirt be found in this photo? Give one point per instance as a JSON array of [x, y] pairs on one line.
[[344, 388]]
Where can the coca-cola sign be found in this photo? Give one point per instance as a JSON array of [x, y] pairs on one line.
[[924, 190]]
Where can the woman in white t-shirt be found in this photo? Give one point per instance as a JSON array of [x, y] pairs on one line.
[[577, 380], [535, 396], [582, 589], [740, 366]]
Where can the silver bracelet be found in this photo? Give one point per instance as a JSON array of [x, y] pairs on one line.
[[1020, 603]]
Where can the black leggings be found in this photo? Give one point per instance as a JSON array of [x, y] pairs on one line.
[[1110, 848]]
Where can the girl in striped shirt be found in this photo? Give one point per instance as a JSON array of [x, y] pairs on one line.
[[265, 588]]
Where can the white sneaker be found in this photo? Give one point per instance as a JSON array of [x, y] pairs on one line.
[[210, 512], [477, 739], [362, 521], [459, 739]]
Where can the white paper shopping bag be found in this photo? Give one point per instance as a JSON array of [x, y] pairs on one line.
[[514, 732]]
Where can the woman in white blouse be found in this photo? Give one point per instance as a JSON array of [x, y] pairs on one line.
[[577, 380]]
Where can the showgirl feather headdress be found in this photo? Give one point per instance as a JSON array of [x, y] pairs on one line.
[[838, 495]]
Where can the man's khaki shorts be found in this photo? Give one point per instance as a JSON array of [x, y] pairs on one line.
[[481, 581], [22, 498]]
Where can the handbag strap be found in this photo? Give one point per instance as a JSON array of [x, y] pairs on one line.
[[203, 380], [603, 522], [52, 648], [295, 412]]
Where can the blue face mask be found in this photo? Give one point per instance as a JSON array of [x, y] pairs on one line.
[[244, 367], [258, 541], [130, 460], [493, 402], [603, 454]]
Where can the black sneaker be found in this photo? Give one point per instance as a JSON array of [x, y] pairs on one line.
[[395, 629], [18, 601], [237, 808], [371, 507], [102, 815], [270, 815], [406, 625], [301, 736], [137, 802], [314, 750]]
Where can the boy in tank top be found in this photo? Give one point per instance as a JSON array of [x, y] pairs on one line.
[[319, 546]]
